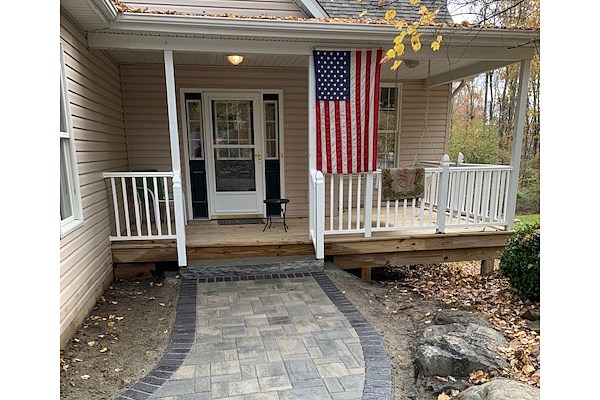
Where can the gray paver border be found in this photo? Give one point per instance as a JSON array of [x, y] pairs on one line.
[[182, 339], [378, 372]]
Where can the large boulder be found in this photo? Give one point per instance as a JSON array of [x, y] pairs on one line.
[[458, 348], [501, 389]]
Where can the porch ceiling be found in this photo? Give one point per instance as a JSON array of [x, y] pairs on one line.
[[439, 67]]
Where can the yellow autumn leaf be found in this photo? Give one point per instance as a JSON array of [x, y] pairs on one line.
[[443, 396], [390, 14], [362, 13], [399, 49], [400, 37], [391, 53], [414, 2], [400, 25], [439, 38], [422, 10], [396, 65], [359, 1], [435, 46], [416, 42]]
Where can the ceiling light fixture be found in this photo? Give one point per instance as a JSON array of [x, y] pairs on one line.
[[235, 59]]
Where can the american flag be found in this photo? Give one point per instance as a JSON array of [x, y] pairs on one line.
[[347, 103]]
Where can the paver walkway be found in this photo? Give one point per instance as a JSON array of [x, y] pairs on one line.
[[268, 336]]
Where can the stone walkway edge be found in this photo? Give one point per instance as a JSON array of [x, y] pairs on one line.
[[378, 373]]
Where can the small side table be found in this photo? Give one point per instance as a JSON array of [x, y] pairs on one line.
[[280, 202]]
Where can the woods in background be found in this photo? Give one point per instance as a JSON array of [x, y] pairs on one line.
[[483, 109]]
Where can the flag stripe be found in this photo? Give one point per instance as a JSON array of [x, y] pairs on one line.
[[367, 110], [374, 136], [319, 137], [349, 166], [328, 137]]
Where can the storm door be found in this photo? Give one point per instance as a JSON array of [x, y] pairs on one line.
[[235, 155]]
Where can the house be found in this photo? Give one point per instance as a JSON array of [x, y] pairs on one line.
[[161, 137]]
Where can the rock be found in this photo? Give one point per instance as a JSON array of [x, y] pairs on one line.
[[531, 315], [445, 317], [457, 349], [500, 389], [534, 326]]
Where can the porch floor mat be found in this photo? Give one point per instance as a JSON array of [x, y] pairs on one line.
[[242, 221]]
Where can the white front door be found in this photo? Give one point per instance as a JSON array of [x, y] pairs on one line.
[[234, 143]]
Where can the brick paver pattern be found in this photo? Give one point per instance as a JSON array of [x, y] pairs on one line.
[[271, 339]]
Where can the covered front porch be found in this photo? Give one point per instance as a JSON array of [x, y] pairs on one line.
[[466, 212]]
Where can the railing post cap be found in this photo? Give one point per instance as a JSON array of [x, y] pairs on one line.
[[445, 158]]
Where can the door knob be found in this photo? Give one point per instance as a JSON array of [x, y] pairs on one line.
[[259, 156]]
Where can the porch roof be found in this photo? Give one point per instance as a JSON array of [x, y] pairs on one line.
[[140, 37]]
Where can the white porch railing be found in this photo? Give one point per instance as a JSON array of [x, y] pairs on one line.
[[472, 195], [142, 204]]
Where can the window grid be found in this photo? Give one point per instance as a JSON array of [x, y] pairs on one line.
[[271, 130], [388, 128]]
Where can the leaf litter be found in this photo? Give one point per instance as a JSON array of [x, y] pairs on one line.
[[460, 286]]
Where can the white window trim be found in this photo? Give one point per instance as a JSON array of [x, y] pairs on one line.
[[72, 222], [398, 87]]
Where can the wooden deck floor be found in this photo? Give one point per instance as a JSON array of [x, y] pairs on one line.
[[209, 240]]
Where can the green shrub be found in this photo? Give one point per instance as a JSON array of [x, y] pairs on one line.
[[520, 262]]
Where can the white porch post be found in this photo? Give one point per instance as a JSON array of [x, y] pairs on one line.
[[517, 143], [443, 190], [312, 116], [175, 161]]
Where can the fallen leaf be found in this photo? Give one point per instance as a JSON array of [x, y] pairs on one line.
[[443, 396], [84, 377], [91, 343]]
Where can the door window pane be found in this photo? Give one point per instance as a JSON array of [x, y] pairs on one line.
[[234, 170], [194, 121], [233, 121], [271, 129]]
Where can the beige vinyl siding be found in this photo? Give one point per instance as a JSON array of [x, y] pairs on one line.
[[147, 123], [276, 8], [430, 145], [96, 107]]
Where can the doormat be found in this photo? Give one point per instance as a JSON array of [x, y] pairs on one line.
[[243, 221]]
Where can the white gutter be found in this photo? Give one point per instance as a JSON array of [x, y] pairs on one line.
[[106, 9], [308, 30]]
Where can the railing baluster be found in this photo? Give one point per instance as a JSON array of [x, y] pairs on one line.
[[116, 206], [147, 206], [478, 192], [379, 179], [358, 193], [167, 206], [412, 213], [486, 195], [396, 213], [341, 203], [469, 204], [125, 205], [350, 201], [505, 194], [157, 219], [422, 212], [404, 212], [136, 206], [331, 201]]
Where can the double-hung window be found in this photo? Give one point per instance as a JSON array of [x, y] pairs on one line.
[[71, 214], [387, 135]]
